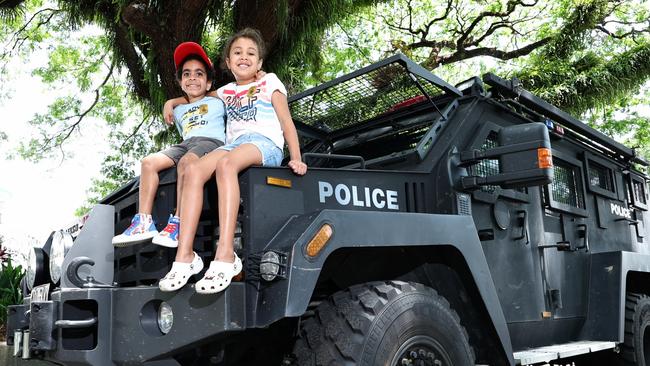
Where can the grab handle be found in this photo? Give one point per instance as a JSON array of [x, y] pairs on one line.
[[75, 323], [362, 162]]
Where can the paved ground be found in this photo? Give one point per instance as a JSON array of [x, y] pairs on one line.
[[6, 358]]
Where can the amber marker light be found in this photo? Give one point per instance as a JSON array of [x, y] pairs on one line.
[[544, 158], [286, 183], [319, 240]]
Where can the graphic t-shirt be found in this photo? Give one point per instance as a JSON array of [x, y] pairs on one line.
[[249, 109], [203, 118]]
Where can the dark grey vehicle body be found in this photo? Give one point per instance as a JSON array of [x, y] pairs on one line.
[[522, 267]]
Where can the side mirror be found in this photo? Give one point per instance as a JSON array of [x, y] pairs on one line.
[[524, 155]]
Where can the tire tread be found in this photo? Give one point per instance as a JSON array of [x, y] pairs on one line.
[[335, 334], [634, 304]]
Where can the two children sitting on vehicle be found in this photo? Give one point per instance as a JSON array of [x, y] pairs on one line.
[[258, 124]]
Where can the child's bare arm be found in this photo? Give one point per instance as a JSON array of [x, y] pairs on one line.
[[281, 107], [168, 109]]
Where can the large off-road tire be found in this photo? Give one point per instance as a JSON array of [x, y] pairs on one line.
[[384, 323], [636, 346]]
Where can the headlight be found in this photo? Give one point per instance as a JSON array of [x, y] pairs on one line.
[[31, 268], [61, 243], [270, 265], [37, 269], [165, 317]]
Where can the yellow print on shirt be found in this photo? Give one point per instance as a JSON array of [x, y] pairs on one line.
[[193, 118]]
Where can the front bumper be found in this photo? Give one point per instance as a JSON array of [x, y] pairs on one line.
[[118, 326]]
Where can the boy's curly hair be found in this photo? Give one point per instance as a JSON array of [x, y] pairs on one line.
[[209, 70]]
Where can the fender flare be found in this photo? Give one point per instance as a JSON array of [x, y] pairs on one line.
[[607, 290], [373, 229]]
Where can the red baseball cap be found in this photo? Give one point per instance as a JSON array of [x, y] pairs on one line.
[[189, 48]]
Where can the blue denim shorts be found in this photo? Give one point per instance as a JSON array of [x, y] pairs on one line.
[[271, 153]]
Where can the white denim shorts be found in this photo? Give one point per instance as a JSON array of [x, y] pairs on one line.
[[271, 153]]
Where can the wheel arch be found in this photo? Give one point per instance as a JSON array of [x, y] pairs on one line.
[[441, 246], [638, 282], [441, 267], [612, 276]]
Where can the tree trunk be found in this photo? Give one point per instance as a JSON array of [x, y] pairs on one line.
[[168, 25]]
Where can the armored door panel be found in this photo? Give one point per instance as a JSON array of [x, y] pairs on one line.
[[503, 218], [564, 251], [635, 216], [564, 268], [504, 230], [614, 217]]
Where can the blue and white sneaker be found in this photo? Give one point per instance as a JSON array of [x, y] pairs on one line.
[[168, 237], [142, 228]]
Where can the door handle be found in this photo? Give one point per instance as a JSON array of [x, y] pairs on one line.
[[523, 223], [583, 230]]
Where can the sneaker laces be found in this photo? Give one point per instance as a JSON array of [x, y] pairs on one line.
[[170, 228], [134, 223]]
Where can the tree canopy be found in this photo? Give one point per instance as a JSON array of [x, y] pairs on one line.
[[590, 57]]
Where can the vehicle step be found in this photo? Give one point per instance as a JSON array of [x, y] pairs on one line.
[[548, 353]]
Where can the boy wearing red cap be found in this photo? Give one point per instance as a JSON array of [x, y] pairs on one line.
[[201, 123]]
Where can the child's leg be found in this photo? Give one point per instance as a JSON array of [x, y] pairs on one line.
[[142, 226], [168, 237], [226, 264], [227, 170], [151, 165], [185, 161], [195, 176]]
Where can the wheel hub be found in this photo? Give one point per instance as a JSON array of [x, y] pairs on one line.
[[421, 351]]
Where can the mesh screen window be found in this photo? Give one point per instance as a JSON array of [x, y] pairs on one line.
[[361, 98], [486, 167], [566, 188], [600, 176], [639, 191]]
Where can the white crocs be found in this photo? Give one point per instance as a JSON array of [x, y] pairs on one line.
[[218, 276], [180, 273]]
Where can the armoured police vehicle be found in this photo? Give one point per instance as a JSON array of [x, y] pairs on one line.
[[473, 224]]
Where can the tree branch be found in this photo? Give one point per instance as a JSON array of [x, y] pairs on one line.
[[137, 15], [16, 34], [146, 116], [425, 31], [632, 33], [485, 51], [90, 108], [353, 42], [498, 25], [432, 44], [422, 31], [80, 117], [132, 60], [510, 8]]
